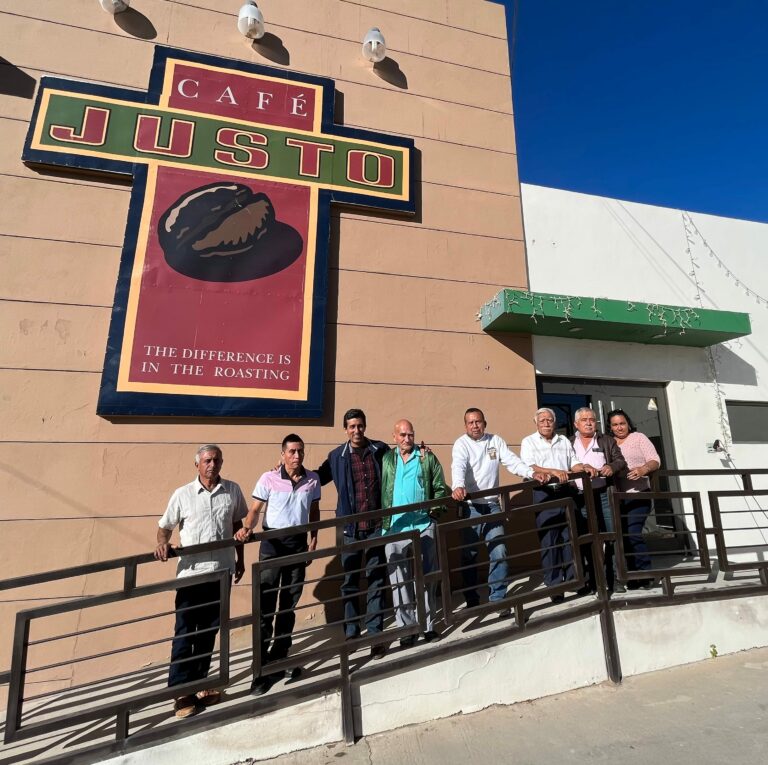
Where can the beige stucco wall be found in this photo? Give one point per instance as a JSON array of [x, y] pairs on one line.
[[402, 335]]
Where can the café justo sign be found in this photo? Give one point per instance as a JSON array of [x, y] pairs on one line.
[[220, 303]]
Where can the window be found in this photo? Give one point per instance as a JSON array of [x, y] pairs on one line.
[[748, 421]]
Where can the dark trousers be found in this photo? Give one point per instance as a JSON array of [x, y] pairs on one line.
[[604, 523], [374, 561], [197, 611], [280, 589], [634, 513], [554, 535]]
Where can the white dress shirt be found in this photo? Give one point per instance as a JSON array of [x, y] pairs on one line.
[[205, 516], [557, 454]]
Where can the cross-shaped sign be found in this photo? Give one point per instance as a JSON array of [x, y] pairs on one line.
[[220, 301]]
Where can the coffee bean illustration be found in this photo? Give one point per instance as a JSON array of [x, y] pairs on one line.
[[224, 232]]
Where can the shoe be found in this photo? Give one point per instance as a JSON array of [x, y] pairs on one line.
[[505, 613], [408, 642], [185, 706], [586, 590], [294, 673], [557, 598], [261, 685], [208, 697], [431, 635], [646, 584], [618, 587], [378, 652]]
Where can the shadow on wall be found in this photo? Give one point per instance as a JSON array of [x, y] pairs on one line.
[[635, 361], [271, 47], [520, 345], [389, 71], [136, 24], [731, 368], [14, 81]]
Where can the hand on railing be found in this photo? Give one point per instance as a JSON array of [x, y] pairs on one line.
[[540, 476], [164, 551], [242, 534]]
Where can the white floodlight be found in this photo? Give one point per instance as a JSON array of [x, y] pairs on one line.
[[250, 21], [115, 6], [374, 48]]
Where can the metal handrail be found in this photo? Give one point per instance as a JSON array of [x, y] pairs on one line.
[[450, 524]]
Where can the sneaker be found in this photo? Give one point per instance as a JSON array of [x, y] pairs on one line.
[[408, 642], [505, 613], [431, 635], [293, 674], [557, 598], [647, 584], [619, 587], [185, 706]]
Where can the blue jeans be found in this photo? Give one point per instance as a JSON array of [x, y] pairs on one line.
[[376, 574], [492, 533]]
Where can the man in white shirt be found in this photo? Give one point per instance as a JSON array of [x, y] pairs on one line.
[[553, 452], [208, 509], [474, 468]]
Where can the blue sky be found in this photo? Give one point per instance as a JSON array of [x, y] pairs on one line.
[[657, 101]]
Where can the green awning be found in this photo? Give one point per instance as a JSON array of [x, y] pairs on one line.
[[593, 318]]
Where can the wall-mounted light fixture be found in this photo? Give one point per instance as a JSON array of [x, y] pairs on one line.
[[374, 48], [115, 6], [250, 21]]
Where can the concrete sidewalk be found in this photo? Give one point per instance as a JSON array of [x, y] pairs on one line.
[[708, 713]]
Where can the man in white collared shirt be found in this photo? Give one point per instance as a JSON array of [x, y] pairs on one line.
[[208, 509], [551, 452], [475, 463]]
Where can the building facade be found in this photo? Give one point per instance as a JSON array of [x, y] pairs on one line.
[[685, 398], [401, 335]]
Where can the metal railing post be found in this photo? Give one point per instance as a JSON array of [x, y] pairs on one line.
[[347, 710], [607, 623], [18, 677]]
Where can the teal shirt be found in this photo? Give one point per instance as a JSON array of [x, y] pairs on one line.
[[408, 489]]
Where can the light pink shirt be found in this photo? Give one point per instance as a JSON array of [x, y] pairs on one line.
[[637, 450], [592, 455]]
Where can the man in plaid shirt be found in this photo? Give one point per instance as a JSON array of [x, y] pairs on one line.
[[355, 469]]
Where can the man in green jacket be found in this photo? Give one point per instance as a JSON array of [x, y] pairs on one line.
[[410, 475]]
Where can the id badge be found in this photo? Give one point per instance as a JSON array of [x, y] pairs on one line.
[[491, 451]]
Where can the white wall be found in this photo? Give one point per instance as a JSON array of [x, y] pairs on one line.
[[585, 245]]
